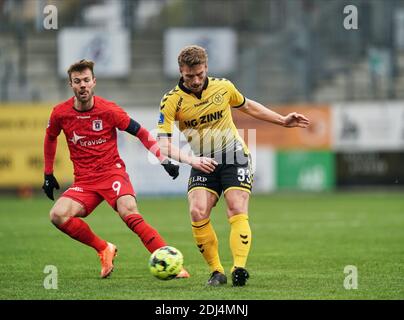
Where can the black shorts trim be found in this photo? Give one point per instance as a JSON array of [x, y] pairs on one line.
[[167, 135], [204, 188], [237, 188]]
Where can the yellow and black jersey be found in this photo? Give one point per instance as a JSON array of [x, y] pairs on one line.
[[204, 119]]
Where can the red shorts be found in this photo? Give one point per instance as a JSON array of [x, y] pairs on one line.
[[110, 188]]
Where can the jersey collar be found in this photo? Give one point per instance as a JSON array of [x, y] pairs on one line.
[[185, 89]]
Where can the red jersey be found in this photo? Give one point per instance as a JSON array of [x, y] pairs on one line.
[[91, 136]]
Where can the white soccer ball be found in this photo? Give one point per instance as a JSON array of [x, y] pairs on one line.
[[166, 262]]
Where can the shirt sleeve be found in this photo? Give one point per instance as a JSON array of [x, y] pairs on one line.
[[166, 118], [120, 117], [236, 98], [54, 126]]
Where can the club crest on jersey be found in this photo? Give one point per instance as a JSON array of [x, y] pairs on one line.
[[97, 125], [218, 99]]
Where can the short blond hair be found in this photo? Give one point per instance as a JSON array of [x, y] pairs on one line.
[[80, 66], [192, 55]]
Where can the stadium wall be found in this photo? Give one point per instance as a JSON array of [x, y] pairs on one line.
[[346, 145]]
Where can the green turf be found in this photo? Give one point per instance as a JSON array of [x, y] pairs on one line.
[[301, 244]]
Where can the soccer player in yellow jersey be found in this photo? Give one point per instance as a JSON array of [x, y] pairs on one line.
[[201, 108]]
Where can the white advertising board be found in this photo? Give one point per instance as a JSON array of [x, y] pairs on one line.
[[368, 126], [109, 49], [220, 43]]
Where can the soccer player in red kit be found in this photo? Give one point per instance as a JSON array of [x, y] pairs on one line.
[[89, 123]]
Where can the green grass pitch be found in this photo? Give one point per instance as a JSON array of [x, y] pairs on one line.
[[301, 244]]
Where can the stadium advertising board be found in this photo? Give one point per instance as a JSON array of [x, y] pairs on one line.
[[110, 50], [370, 168], [368, 126], [316, 137], [220, 43], [264, 170], [305, 170], [22, 132], [146, 174]]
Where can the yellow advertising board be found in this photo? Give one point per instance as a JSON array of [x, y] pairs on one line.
[[22, 133]]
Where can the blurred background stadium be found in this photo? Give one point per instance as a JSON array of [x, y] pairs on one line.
[[290, 55]]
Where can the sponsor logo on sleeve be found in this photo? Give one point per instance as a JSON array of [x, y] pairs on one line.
[[161, 118]]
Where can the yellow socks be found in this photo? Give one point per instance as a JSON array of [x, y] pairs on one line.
[[240, 239], [206, 240]]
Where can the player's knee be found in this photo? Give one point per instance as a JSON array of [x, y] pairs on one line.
[[199, 211], [59, 215], [126, 209], [237, 206]]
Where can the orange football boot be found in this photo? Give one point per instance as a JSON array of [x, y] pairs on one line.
[[107, 259], [183, 274]]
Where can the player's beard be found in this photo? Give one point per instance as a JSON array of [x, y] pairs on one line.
[[197, 89], [84, 98]]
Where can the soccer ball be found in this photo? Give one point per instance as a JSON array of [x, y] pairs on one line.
[[166, 262]]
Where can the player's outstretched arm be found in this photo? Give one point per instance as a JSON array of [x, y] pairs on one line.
[[259, 111], [203, 164]]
